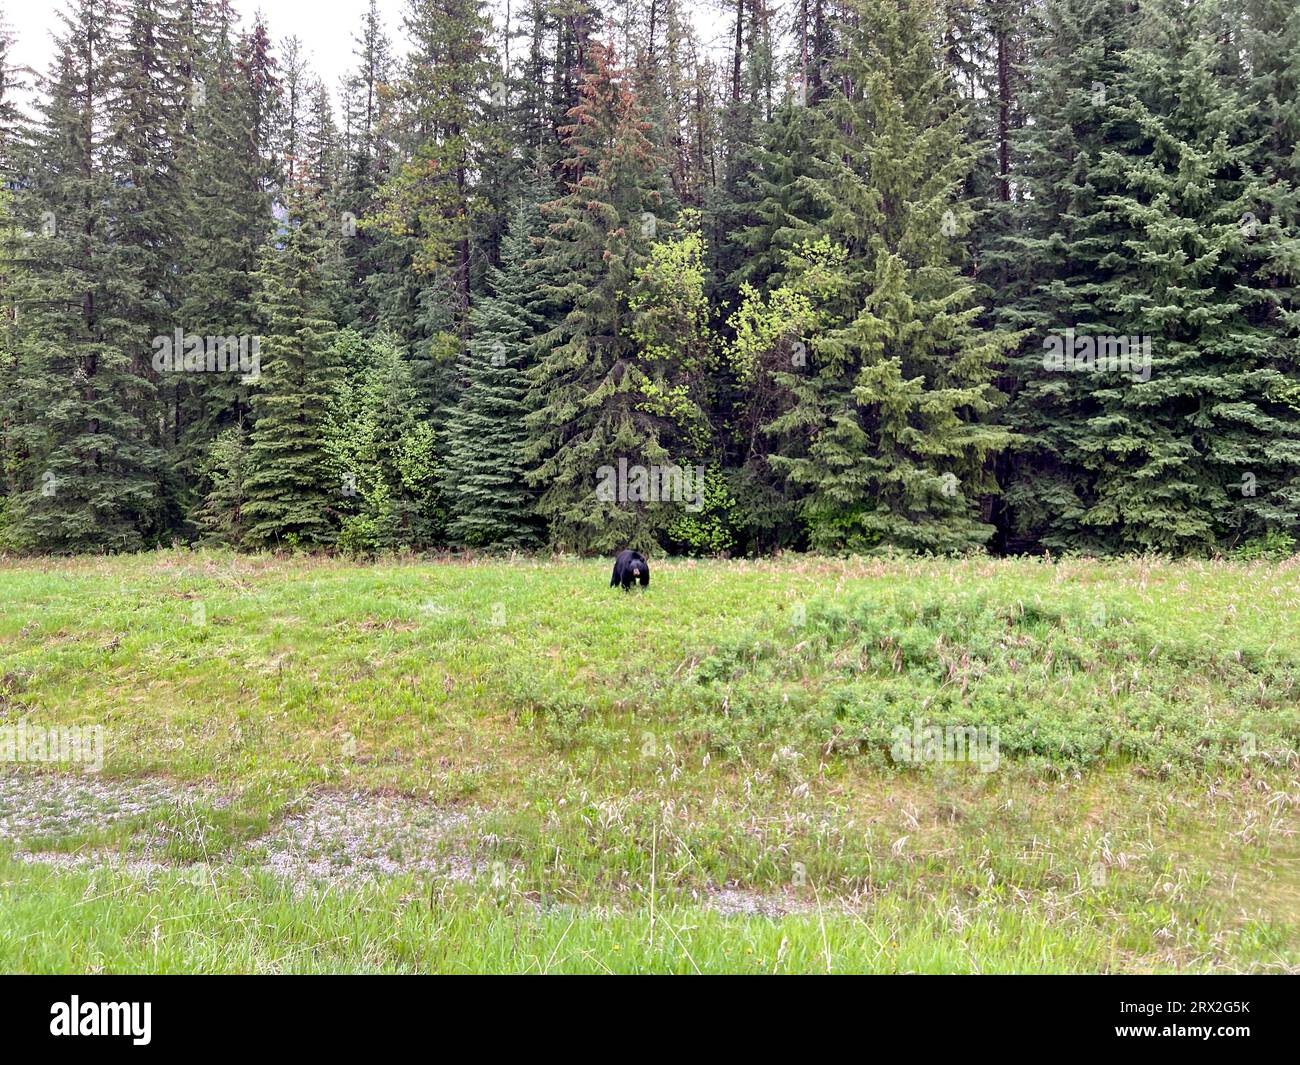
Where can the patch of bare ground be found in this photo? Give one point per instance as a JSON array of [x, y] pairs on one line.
[[745, 902], [35, 806], [360, 838], [332, 839], [99, 858]]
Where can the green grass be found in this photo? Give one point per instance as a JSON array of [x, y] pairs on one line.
[[104, 923], [617, 755]]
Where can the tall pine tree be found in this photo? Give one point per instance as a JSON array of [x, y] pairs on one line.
[[892, 412], [81, 362], [587, 389], [293, 486], [1149, 221], [489, 500]]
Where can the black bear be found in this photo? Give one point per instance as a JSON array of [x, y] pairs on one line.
[[628, 567]]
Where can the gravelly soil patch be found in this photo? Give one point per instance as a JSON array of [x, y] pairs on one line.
[[363, 838], [49, 805], [739, 902], [96, 859], [333, 840]]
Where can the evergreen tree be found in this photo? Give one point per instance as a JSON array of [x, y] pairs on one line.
[[488, 498], [446, 130], [228, 212], [1146, 227], [1268, 32], [220, 517], [893, 407], [367, 158], [292, 488], [743, 128], [531, 73], [772, 205], [80, 359], [321, 145], [145, 148], [587, 389], [12, 474]]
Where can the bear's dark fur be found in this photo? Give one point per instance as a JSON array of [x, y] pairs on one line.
[[630, 566]]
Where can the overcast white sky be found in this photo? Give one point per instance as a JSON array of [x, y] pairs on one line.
[[326, 28]]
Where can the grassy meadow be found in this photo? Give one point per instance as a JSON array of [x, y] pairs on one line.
[[505, 765]]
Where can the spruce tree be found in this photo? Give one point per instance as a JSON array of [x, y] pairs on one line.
[[145, 148], [489, 501], [893, 408], [220, 517], [92, 464], [293, 487], [12, 457], [445, 127], [228, 209], [587, 389], [772, 209], [13, 476], [367, 157], [1150, 222], [1267, 32]]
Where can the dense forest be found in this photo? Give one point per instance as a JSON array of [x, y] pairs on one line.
[[918, 275]]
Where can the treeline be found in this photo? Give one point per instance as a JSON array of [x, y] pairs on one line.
[[928, 275]]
